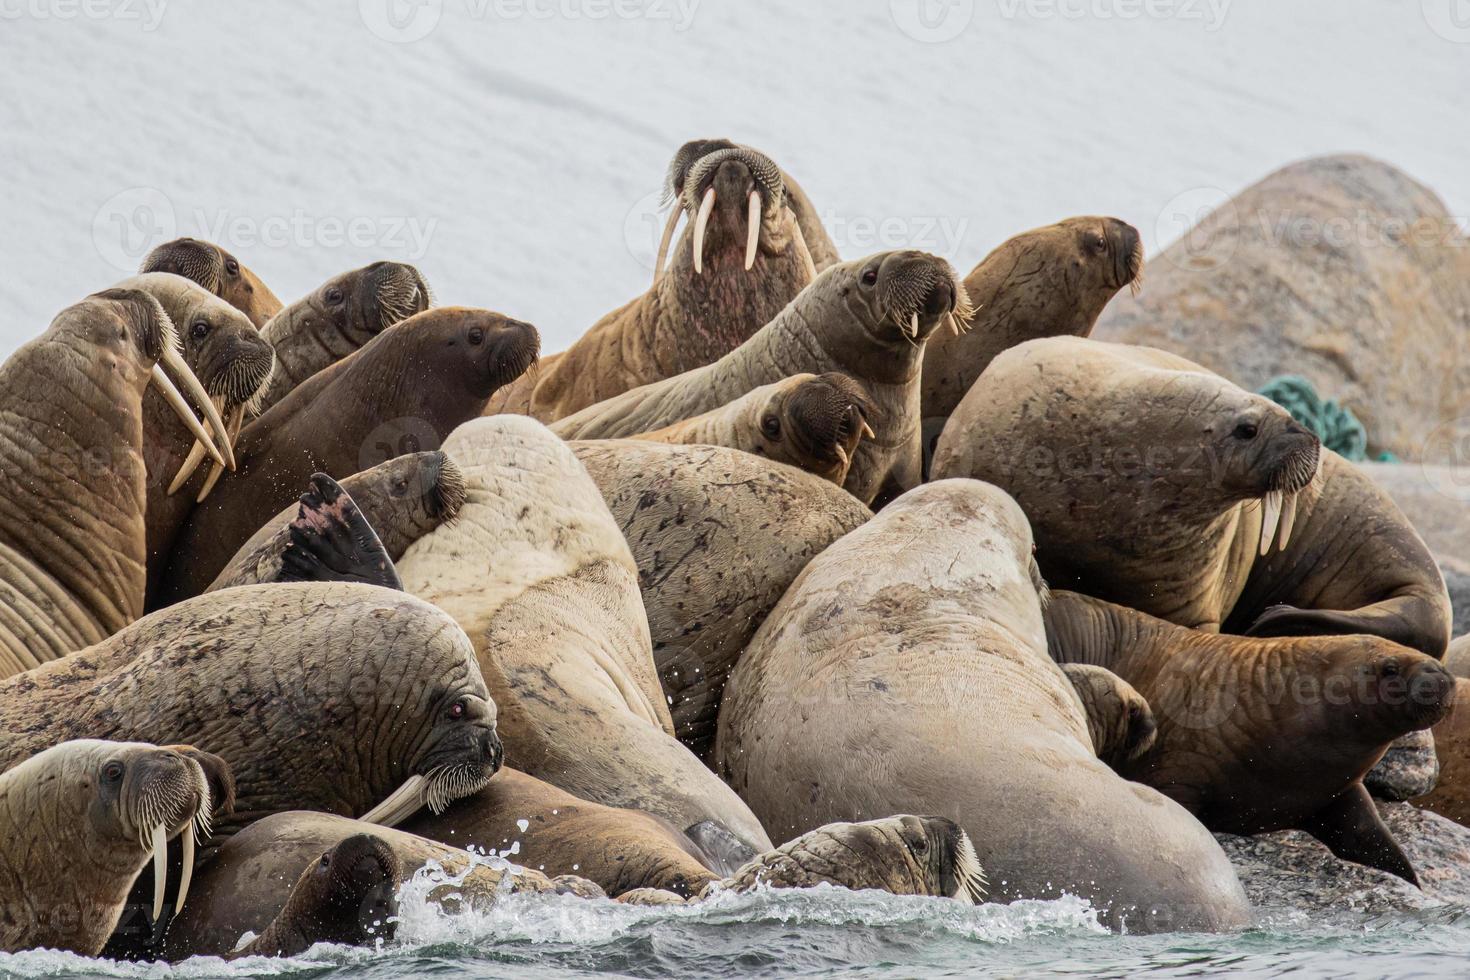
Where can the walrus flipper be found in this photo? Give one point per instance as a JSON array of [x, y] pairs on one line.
[[331, 541], [1399, 619], [1352, 829]]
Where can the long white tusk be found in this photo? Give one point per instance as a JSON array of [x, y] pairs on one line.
[[1270, 516], [191, 463], [663, 245], [914, 324], [1288, 519], [802, 250], [182, 410], [188, 872], [841, 454], [401, 804], [160, 869], [701, 224], [216, 471], [172, 360], [752, 229]]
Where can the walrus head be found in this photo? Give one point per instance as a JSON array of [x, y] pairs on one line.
[[901, 297], [346, 896], [1381, 691], [815, 422], [217, 271], [736, 198], [1265, 455]]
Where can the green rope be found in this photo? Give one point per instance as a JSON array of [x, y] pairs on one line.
[[1337, 427]]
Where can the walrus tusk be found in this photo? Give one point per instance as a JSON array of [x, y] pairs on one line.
[[1270, 517], [914, 324], [160, 868], [701, 224], [752, 229], [841, 454], [1288, 519], [401, 804], [187, 874], [663, 245], [196, 451], [868, 430], [182, 410], [174, 361], [801, 249], [216, 471]]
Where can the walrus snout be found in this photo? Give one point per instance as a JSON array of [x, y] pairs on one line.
[[917, 291], [198, 261], [1127, 249], [1431, 690], [239, 367], [512, 346], [828, 417], [389, 292]]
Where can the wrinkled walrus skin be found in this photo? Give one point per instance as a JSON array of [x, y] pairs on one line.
[[537, 573], [906, 670]]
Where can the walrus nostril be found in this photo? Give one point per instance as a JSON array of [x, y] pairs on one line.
[[941, 298], [1430, 688]]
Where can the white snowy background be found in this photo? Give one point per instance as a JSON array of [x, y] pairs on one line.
[[514, 149]]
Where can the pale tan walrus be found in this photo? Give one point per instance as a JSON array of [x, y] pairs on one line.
[[906, 669], [537, 573]]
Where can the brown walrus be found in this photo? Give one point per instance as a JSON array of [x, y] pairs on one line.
[[217, 271], [400, 501], [271, 677], [1119, 719], [1155, 484], [337, 318], [539, 576], [73, 543], [229, 357], [1256, 735], [718, 535], [906, 669], [403, 392], [80, 821], [1047, 282], [808, 421], [251, 881], [537, 825], [867, 319], [757, 244]]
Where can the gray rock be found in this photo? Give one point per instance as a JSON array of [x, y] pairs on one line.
[[1408, 769]]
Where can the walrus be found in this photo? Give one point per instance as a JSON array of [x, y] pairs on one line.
[[1155, 484], [903, 855], [1341, 269], [251, 882], [347, 896], [906, 670], [753, 242], [217, 271], [79, 822], [274, 679], [402, 392], [400, 501], [337, 318], [1256, 735], [810, 422], [1119, 719], [718, 536], [867, 319], [1047, 282], [538, 574], [73, 547], [229, 357], [542, 827]]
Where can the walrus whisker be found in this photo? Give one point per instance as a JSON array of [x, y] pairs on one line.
[[752, 229], [701, 225], [968, 869], [666, 241]]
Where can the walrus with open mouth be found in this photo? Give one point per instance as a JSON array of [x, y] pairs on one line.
[[1256, 735], [867, 319], [1047, 282], [753, 242], [226, 352], [73, 546], [808, 421], [217, 271], [1155, 484], [403, 392], [80, 821], [338, 318]]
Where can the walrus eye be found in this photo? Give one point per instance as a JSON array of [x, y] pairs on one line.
[[771, 426], [112, 772], [232, 267], [457, 710], [1246, 431], [477, 336], [1390, 669], [200, 329], [326, 861], [870, 277], [334, 295], [1099, 244], [921, 847]]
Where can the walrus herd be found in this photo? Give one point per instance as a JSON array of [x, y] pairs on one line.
[[796, 570]]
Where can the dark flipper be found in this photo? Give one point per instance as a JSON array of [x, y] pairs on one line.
[[331, 541], [1352, 829], [1403, 619]]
